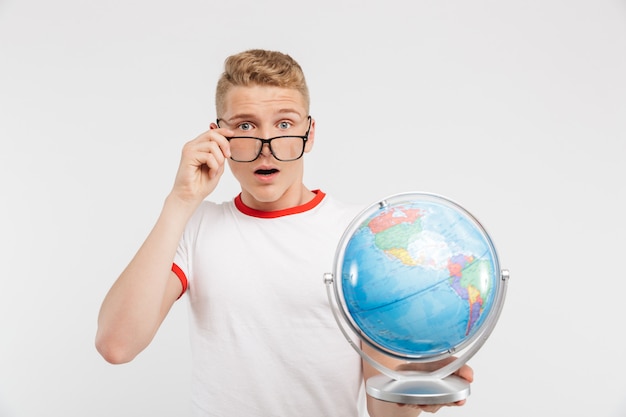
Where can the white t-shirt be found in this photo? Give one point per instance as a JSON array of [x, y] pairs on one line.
[[264, 341]]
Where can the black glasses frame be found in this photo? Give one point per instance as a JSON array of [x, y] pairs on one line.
[[304, 138]]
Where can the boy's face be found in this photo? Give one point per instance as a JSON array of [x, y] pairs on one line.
[[265, 112]]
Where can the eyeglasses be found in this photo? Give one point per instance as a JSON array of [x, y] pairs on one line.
[[283, 148]]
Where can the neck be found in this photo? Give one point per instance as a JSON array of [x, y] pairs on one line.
[[289, 199]]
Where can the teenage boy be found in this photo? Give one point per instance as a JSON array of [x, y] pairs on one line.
[[264, 342]]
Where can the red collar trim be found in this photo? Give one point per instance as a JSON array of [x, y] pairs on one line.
[[319, 196]]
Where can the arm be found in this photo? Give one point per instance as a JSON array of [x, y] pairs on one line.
[[377, 408], [141, 297]]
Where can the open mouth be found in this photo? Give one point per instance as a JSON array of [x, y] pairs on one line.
[[265, 171]]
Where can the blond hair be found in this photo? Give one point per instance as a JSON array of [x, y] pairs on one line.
[[260, 67]]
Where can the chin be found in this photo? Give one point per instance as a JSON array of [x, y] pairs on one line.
[[265, 193]]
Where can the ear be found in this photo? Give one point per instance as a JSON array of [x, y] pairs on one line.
[[311, 140], [213, 126]]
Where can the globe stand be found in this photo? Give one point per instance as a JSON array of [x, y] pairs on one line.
[[438, 386], [417, 391], [424, 388]]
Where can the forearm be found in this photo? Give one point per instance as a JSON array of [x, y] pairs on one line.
[[138, 301]]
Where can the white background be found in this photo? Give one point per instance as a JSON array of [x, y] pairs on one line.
[[515, 109]]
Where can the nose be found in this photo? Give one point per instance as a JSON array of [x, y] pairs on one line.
[[265, 150]]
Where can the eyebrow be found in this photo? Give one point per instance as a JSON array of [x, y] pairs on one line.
[[250, 116]]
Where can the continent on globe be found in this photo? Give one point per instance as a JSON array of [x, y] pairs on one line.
[[394, 230], [467, 280], [397, 229]]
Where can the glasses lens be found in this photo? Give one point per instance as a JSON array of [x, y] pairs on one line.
[[244, 149], [288, 148]]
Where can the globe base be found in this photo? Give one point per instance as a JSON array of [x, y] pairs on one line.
[[418, 391]]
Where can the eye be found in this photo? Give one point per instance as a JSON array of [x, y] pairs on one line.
[[284, 125], [245, 126]]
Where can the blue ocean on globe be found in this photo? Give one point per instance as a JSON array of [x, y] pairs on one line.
[[418, 278]]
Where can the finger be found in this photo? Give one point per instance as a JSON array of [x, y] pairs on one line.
[[220, 136], [212, 159], [433, 408], [215, 150], [466, 372], [206, 150], [210, 137], [203, 157], [215, 167]]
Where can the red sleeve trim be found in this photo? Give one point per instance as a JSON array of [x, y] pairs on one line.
[[319, 196], [181, 276]]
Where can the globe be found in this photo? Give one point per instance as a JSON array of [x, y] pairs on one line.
[[417, 277]]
